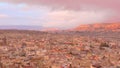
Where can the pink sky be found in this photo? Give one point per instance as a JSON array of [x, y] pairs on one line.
[[71, 13]]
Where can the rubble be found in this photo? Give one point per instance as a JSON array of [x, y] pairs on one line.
[[39, 50]]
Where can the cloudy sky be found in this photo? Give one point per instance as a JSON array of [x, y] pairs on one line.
[[58, 13]]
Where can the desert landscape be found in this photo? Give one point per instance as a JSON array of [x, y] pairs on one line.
[[59, 33], [60, 49]]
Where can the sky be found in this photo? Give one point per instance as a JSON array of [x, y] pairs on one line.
[[63, 14]]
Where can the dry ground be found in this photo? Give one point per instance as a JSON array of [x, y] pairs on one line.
[[35, 49]]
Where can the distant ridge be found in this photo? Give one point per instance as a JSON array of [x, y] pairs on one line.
[[21, 27], [87, 27], [99, 27]]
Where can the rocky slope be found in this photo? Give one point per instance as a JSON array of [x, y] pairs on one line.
[[99, 27]]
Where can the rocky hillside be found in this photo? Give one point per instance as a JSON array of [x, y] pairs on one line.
[[99, 27]]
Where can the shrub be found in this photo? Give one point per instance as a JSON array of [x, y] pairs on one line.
[[104, 45]]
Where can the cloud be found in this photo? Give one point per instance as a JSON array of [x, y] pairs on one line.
[[69, 4], [71, 13], [69, 19], [3, 16]]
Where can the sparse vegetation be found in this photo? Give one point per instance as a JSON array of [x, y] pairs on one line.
[[35, 49], [104, 45]]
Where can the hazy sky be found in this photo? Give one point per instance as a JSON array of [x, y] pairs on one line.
[[58, 13]]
